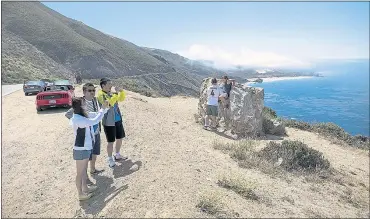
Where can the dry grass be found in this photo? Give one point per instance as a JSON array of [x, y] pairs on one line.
[[243, 149], [240, 186], [244, 152], [211, 203], [350, 198], [239, 150]]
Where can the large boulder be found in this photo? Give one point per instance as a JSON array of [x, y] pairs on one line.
[[271, 124], [273, 127], [241, 114]]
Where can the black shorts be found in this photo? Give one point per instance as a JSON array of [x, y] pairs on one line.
[[114, 132]]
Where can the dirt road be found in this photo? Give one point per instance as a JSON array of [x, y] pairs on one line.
[[8, 89], [177, 164]]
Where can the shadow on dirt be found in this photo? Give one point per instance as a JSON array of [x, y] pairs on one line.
[[53, 110], [106, 190], [105, 193], [126, 168]]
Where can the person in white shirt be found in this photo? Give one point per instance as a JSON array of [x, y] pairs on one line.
[[83, 129], [213, 95], [92, 105]]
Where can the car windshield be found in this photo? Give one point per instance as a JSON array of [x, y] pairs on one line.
[[62, 82], [33, 83], [58, 88]]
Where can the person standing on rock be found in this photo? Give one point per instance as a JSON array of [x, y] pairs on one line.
[[92, 106], [83, 129], [112, 121], [226, 86], [214, 93]]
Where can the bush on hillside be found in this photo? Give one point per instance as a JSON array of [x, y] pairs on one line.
[[294, 155], [297, 124], [330, 130], [268, 112]]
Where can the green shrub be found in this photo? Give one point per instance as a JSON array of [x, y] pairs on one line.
[[269, 112], [297, 124], [331, 131], [295, 155]]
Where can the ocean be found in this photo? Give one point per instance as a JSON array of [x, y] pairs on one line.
[[341, 96]]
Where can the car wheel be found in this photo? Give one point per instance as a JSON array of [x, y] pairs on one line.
[[38, 109], [26, 94]]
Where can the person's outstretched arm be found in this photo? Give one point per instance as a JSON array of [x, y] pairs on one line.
[[119, 97], [69, 113], [86, 122], [100, 97]]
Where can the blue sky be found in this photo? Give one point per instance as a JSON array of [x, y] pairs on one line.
[[231, 33]]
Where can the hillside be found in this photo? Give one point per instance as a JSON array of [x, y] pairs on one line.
[[39, 43]]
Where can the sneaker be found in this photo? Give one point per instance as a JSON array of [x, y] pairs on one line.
[[111, 162], [92, 188], [119, 157], [96, 171], [85, 197], [89, 182]]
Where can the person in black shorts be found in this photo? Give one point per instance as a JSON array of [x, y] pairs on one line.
[[114, 132], [112, 121]]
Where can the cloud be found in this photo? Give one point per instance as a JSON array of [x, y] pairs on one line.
[[223, 58]]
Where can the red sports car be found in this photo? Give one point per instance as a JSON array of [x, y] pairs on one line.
[[58, 95]]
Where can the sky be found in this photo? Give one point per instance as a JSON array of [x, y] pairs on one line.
[[270, 34]]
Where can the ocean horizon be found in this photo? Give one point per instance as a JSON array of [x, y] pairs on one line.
[[340, 97]]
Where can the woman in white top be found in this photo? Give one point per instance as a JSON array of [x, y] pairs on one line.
[[84, 141]]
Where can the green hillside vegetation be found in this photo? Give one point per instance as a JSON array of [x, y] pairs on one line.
[[40, 43]]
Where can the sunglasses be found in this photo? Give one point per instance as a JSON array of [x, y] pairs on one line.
[[91, 90]]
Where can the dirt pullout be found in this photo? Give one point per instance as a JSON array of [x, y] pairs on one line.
[[177, 165]]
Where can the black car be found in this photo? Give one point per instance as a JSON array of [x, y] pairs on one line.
[[33, 87]]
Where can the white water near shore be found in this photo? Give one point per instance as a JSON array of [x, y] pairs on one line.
[[272, 79]]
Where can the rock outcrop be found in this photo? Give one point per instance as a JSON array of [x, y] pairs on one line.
[[273, 127], [241, 114]]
